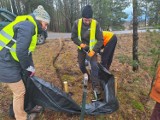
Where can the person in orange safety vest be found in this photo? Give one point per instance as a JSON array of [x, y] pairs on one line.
[[109, 44], [155, 95]]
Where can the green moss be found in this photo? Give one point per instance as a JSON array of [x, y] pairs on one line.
[[124, 59], [137, 105], [100, 117], [66, 77]]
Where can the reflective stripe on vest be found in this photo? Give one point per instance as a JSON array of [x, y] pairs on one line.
[[7, 34], [93, 41]]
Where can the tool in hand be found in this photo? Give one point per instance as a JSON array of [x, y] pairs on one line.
[[85, 84], [87, 62]]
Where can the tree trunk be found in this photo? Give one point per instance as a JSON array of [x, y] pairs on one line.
[[14, 7], [28, 6], [135, 36]]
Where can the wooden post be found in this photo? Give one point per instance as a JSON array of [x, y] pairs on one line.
[[65, 83]]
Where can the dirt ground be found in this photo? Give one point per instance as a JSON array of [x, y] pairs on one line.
[[56, 61]]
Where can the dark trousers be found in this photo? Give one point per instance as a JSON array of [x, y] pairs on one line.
[[108, 52], [156, 112], [94, 66]]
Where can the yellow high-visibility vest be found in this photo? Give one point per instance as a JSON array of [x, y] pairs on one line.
[[7, 34], [93, 41]]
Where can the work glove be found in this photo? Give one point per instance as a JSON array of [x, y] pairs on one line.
[[91, 53], [31, 71], [83, 45]]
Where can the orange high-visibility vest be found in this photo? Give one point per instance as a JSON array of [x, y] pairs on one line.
[[155, 92], [107, 36]]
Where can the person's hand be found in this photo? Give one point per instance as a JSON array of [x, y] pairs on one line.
[[31, 71], [32, 74], [91, 53], [83, 45]]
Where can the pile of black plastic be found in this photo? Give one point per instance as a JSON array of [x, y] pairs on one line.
[[42, 93]]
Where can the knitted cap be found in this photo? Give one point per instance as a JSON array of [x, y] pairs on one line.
[[87, 12], [41, 14]]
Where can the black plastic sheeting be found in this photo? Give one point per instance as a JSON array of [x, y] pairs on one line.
[[40, 92], [110, 102], [49, 96], [45, 94]]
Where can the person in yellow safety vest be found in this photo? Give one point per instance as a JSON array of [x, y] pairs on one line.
[[87, 35], [109, 44], [17, 42]]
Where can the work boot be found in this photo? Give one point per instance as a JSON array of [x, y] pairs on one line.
[[97, 94], [97, 90], [28, 117]]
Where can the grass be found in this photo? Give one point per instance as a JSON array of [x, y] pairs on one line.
[[137, 105]]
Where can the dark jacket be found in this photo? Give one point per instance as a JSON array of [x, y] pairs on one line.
[[85, 35], [11, 69]]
